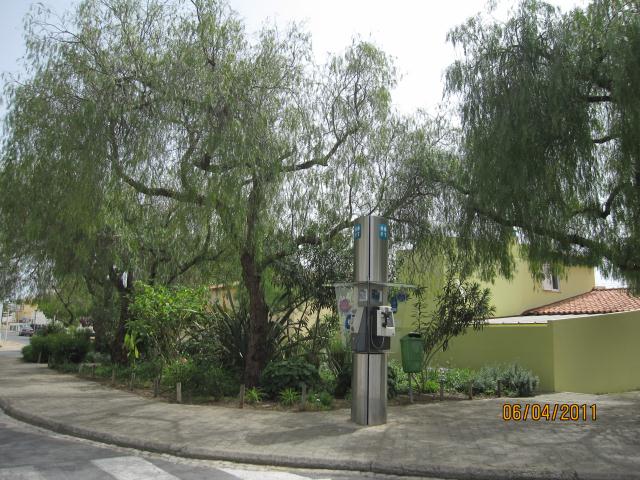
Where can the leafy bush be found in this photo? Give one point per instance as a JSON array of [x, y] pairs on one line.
[[290, 373], [215, 381], [70, 348], [104, 371], [457, 379], [397, 379], [58, 347], [198, 378], [339, 362], [326, 399], [253, 395], [289, 396], [27, 354], [515, 380], [67, 367], [322, 400], [97, 357], [521, 381], [146, 371], [182, 371], [161, 318], [39, 347], [50, 329], [430, 386]]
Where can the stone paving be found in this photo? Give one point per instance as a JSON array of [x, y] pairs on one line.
[[452, 439]]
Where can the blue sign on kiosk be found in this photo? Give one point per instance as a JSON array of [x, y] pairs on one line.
[[383, 231]]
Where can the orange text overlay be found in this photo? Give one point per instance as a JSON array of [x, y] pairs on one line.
[[549, 412]]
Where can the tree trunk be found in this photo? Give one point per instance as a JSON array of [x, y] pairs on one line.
[[258, 321], [125, 290]]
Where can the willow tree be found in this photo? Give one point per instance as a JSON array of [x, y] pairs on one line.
[[172, 106], [550, 115]]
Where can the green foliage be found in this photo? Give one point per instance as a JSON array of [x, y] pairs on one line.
[[291, 373], [397, 379], [326, 399], [97, 357], [515, 380], [136, 123], [339, 361], [162, 319], [58, 347], [319, 400], [430, 386], [550, 113], [458, 379], [253, 395], [459, 306], [289, 397], [66, 367], [224, 337], [181, 370], [197, 379], [50, 329], [27, 354]]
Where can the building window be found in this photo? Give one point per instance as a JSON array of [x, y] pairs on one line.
[[551, 281]]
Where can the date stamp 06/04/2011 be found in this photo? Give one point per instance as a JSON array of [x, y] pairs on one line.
[[536, 412]]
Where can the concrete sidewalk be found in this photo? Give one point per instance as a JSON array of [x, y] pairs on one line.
[[462, 439]]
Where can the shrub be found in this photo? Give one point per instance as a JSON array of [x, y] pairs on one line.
[[521, 381], [39, 347], [291, 373], [515, 380], [65, 347], [430, 386], [146, 371], [27, 354], [319, 400], [339, 362], [182, 371], [67, 367], [326, 399], [253, 395], [289, 396], [104, 371], [58, 347], [215, 381], [458, 379], [97, 357], [397, 379]]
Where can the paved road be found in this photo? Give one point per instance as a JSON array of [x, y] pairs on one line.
[[465, 439], [30, 453], [12, 337]]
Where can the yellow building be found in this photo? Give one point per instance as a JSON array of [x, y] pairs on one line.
[[574, 336]]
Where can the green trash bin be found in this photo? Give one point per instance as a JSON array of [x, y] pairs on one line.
[[412, 350]]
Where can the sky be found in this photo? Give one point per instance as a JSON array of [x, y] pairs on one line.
[[413, 32]]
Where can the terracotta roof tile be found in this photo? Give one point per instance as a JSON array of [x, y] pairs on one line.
[[598, 300]]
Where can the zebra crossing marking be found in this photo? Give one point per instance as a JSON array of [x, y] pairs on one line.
[[132, 468], [264, 475]]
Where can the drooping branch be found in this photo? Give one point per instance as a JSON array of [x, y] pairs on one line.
[[196, 199], [324, 159], [140, 187], [307, 239], [204, 255], [598, 98], [605, 139], [598, 211]]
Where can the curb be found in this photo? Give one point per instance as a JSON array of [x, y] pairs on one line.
[[375, 466]]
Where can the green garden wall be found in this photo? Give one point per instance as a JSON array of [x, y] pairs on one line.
[[598, 354], [531, 346]]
